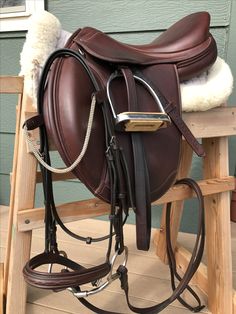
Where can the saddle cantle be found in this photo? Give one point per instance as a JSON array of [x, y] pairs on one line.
[[133, 152]]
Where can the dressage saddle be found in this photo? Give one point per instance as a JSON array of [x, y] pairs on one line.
[[113, 112]]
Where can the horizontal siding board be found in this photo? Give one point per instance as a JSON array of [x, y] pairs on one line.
[[8, 113], [6, 35], [10, 55], [4, 189], [6, 152], [138, 15]]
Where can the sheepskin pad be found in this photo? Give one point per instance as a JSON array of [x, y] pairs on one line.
[[211, 89]]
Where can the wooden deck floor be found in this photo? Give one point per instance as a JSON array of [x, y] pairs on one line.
[[149, 278]]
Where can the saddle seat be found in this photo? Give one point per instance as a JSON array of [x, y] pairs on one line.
[[186, 42]]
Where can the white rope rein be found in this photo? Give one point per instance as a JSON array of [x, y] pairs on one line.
[[38, 156]]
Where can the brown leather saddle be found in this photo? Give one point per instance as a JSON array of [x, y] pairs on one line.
[[133, 152]]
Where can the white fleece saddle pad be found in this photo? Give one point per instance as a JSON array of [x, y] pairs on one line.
[[208, 90]]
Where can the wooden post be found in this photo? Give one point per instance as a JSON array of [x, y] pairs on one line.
[[218, 237], [24, 194], [11, 205]]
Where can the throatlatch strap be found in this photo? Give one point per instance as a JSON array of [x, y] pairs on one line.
[[141, 175]]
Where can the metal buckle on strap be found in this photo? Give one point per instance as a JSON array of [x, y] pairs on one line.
[[138, 121], [112, 276]]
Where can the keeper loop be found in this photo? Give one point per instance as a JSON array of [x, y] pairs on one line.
[[89, 240]]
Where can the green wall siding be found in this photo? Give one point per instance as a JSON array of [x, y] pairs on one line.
[[136, 22], [231, 49], [131, 16]]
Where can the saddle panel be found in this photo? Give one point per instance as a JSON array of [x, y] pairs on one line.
[[187, 43], [66, 111]]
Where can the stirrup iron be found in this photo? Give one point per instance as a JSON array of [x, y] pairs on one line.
[[138, 121]]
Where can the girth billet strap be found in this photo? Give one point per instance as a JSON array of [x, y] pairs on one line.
[[141, 175]]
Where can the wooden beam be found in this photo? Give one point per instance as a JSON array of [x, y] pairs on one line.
[[203, 124], [34, 218], [11, 84], [24, 196], [29, 219], [12, 195], [218, 237], [216, 122], [211, 186]]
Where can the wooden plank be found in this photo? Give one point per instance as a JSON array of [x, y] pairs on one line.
[[12, 195], [139, 15], [212, 123], [218, 237], [33, 218], [29, 219], [21, 241], [11, 84], [208, 187]]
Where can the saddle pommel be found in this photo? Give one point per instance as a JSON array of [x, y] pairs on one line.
[[141, 121]]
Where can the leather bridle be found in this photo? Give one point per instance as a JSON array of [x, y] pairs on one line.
[[73, 275]]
